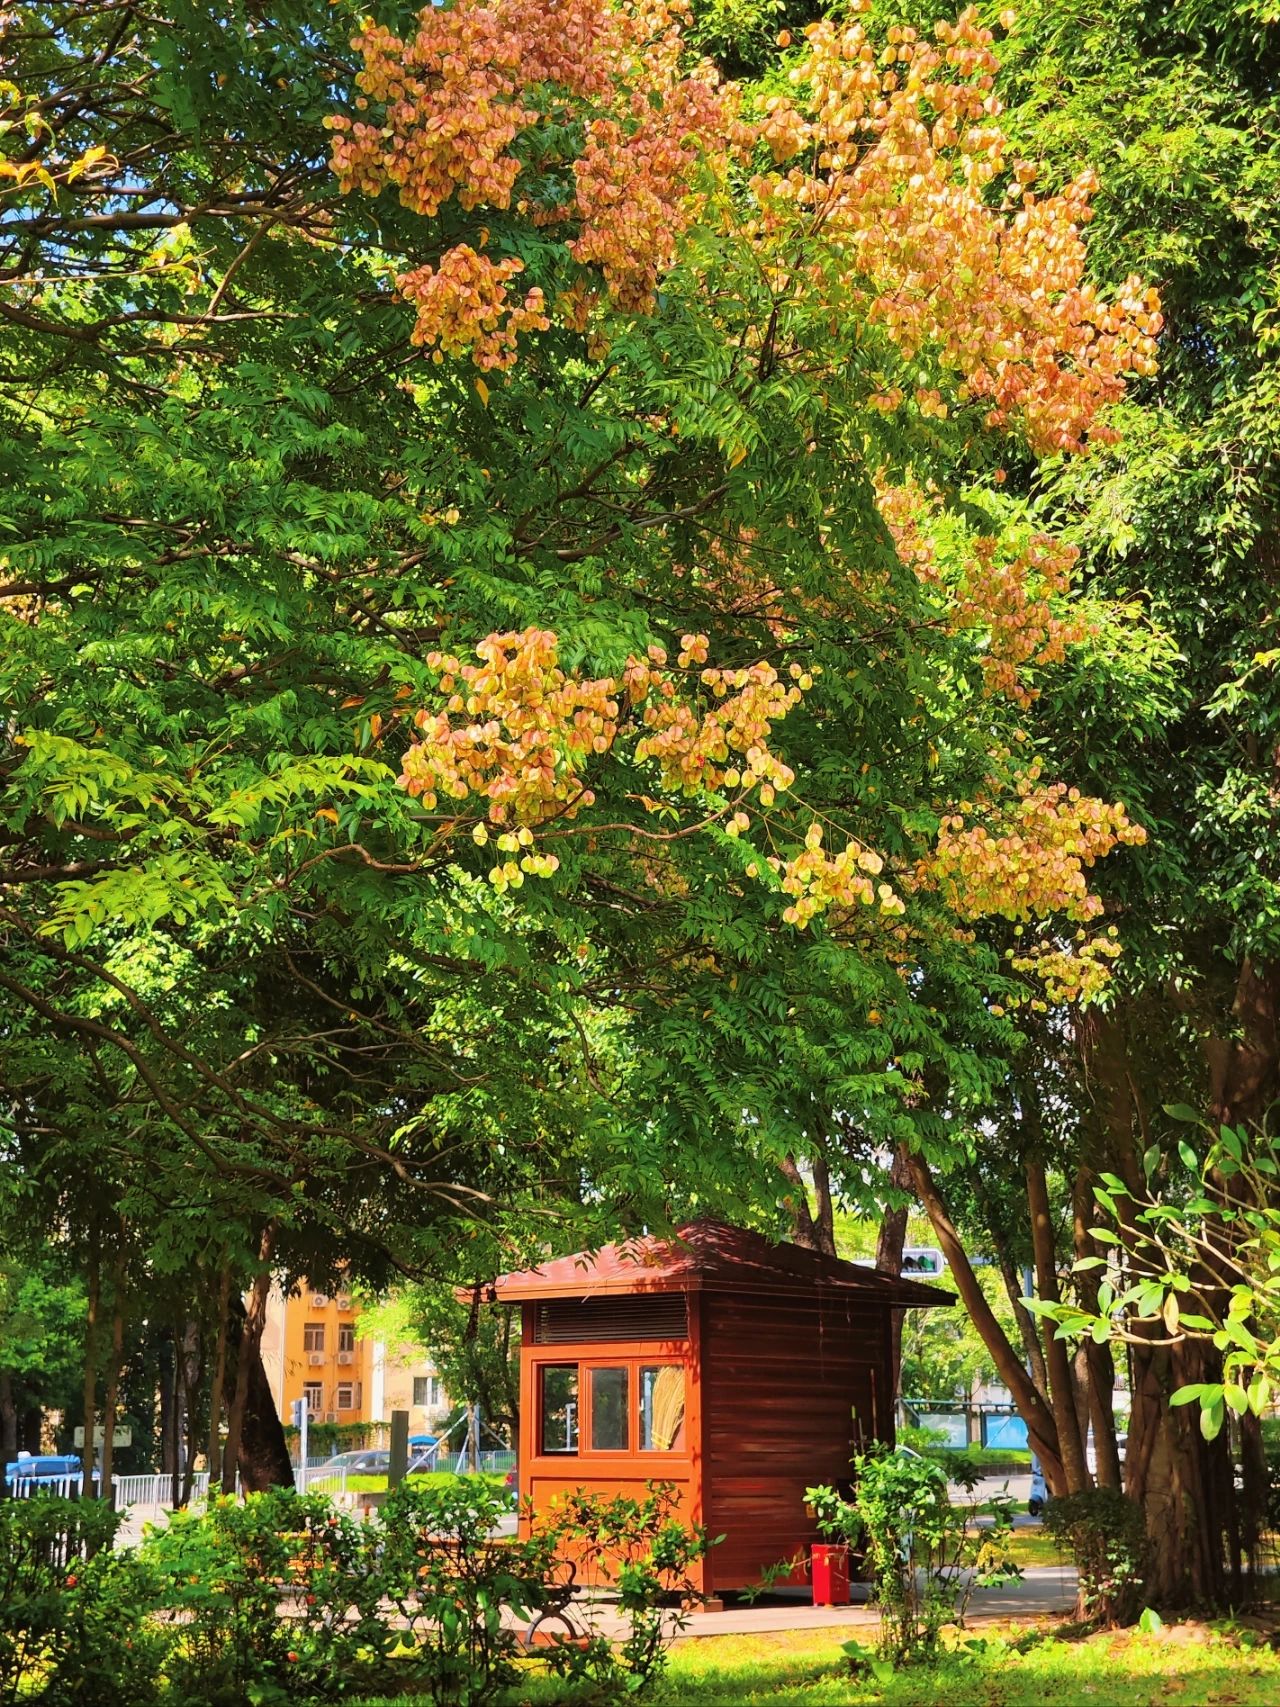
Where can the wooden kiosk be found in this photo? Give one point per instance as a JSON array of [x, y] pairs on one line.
[[740, 1370]]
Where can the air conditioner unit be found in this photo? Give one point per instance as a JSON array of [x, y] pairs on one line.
[[319, 1300], [346, 1357], [343, 1301], [316, 1359], [331, 1416]]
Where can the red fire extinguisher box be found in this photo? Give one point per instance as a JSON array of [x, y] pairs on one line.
[[830, 1566]]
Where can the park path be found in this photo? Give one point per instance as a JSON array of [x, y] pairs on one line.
[[1044, 1591]]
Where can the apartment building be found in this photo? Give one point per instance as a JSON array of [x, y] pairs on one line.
[[311, 1351]]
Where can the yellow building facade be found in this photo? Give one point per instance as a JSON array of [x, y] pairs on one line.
[[311, 1350]]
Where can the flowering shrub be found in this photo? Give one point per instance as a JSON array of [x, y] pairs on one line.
[[72, 1610], [277, 1594]]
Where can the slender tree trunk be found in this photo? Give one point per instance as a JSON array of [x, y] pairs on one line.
[[250, 1346], [889, 1248], [812, 1229], [8, 1427], [192, 1370], [1041, 1430], [111, 1400], [824, 1212], [1061, 1388], [178, 1422], [89, 1407], [218, 1381], [1101, 1364]]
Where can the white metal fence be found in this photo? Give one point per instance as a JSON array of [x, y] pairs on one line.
[[155, 1492]]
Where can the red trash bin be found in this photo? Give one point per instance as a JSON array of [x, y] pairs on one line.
[[830, 1561]]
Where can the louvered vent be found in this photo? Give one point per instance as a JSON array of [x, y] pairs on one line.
[[657, 1316]]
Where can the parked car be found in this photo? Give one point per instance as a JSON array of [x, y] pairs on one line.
[[376, 1461], [45, 1469], [366, 1462]]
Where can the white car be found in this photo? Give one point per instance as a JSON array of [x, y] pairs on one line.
[[1040, 1493]]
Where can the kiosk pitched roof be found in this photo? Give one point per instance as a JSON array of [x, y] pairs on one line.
[[706, 1254]]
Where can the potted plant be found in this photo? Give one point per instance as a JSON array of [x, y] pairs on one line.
[[840, 1527]]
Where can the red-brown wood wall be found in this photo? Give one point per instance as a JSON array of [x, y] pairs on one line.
[[792, 1386]]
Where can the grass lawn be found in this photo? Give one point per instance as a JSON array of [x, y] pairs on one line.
[[1031, 1546], [1181, 1666]]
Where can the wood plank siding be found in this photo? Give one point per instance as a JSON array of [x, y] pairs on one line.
[[792, 1386]]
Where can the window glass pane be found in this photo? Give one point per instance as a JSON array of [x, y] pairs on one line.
[[609, 1410], [560, 1407], [662, 1408]]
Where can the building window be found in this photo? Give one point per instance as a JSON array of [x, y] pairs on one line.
[[428, 1392], [348, 1396], [559, 1424], [313, 1336], [346, 1336], [313, 1393], [662, 1408], [609, 1415]]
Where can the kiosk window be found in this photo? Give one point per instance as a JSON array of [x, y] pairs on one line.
[[560, 1407], [609, 1414], [662, 1408]]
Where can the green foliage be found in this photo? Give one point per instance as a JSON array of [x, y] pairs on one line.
[[1107, 1537], [281, 1597], [73, 1622], [474, 1347], [925, 1556], [642, 1551], [275, 1596], [835, 1517], [41, 1316], [1156, 1277]]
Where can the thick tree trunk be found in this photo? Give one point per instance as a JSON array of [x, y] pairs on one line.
[[264, 1452], [1183, 1483], [1041, 1430], [250, 1345]]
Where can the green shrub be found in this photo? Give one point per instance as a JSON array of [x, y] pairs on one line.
[[449, 1582], [274, 1599], [643, 1550], [1107, 1537], [282, 1598], [925, 1555], [73, 1612]]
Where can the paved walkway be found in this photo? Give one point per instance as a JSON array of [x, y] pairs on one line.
[[1044, 1591]]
